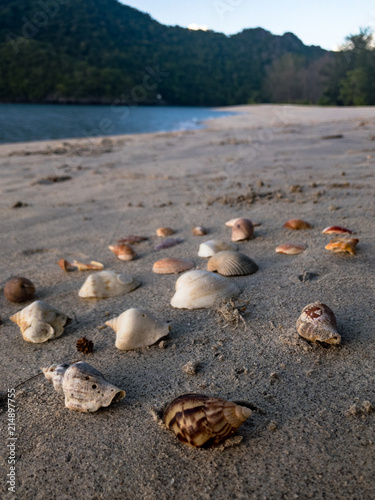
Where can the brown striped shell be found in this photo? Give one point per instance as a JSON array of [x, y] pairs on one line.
[[317, 323], [290, 248], [199, 420], [242, 229], [297, 224], [230, 263], [172, 266]]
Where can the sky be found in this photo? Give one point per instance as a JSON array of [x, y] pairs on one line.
[[315, 22]]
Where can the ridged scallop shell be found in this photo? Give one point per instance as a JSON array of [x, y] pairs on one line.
[[347, 245], [107, 284], [242, 229], [199, 420], [297, 224], [210, 247], [202, 289], [164, 231], [137, 328], [291, 248], [40, 322], [230, 263], [172, 266], [84, 387], [123, 251], [317, 322]]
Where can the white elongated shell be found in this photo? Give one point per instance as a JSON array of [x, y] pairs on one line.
[[84, 387], [210, 247], [40, 322], [107, 284], [137, 328], [202, 289], [230, 263]]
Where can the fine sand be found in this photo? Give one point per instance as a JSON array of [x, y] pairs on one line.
[[311, 434]]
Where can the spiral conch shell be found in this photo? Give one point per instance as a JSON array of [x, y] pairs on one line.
[[199, 420], [107, 284], [137, 328], [317, 323], [202, 289], [40, 322], [210, 247], [84, 387], [229, 263]]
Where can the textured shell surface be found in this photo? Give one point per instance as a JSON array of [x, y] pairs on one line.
[[297, 224], [172, 266], [317, 323], [230, 263], [210, 247], [291, 248], [84, 387], [202, 289], [40, 322], [107, 284], [242, 229], [199, 420], [137, 328]]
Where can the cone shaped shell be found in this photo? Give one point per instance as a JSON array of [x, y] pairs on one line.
[[172, 266], [137, 328], [317, 323], [231, 263], [210, 247], [242, 229], [202, 289], [199, 420], [40, 322], [84, 387], [107, 284]]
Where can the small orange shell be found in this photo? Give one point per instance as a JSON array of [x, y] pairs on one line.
[[123, 251], [199, 231], [164, 231], [172, 266], [66, 266], [336, 230], [242, 229], [343, 245], [291, 248], [297, 224]]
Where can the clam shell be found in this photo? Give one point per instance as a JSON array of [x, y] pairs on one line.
[[123, 251], [84, 387], [172, 266], [199, 231], [40, 322], [18, 289], [317, 323], [137, 328], [230, 263], [199, 420], [336, 230], [107, 284], [343, 245], [291, 248], [242, 229], [297, 224], [202, 289], [164, 231], [210, 247]]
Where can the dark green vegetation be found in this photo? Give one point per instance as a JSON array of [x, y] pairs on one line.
[[102, 51]]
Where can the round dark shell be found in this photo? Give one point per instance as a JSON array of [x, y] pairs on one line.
[[18, 289]]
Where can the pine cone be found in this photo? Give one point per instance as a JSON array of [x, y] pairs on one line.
[[84, 345]]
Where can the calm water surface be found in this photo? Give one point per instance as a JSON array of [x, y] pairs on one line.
[[35, 122]]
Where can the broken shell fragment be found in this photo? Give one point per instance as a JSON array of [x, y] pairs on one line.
[[202, 289], [18, 289], [107, 284], [123, 251], [164, 231], [137, 328], [199, 231], [343, 245], [317, 323], [84, 387], [230, 263], [336, 230], [93, 266], [199, 420], [291, 248], [210, 247], [297, 224], [242, 229], [40, 322], [172, 266]]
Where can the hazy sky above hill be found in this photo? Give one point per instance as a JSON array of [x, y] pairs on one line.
[[320, 22]]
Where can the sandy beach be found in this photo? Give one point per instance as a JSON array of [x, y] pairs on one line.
[[311, 434]]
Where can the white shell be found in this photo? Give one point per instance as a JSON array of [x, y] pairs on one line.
[[40, 322], [137, 328], [202, 289], [210, 247], [107, 284], [84, 387]]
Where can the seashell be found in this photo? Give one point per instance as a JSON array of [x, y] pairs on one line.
[[107, 284], [291, 248], [171, 242], [210, 247], [199, 231], [297, 224], [230, 263], [343, 245], [242, 229], [82, 266], [84, 387], [18, 289], [66, 266], [137, 328], [336, 230], [317, 323], [123, 251], [164, 231], [40, 322], [132, 239], [172, 266], [231, 222], [199, 420], [202, 289]]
